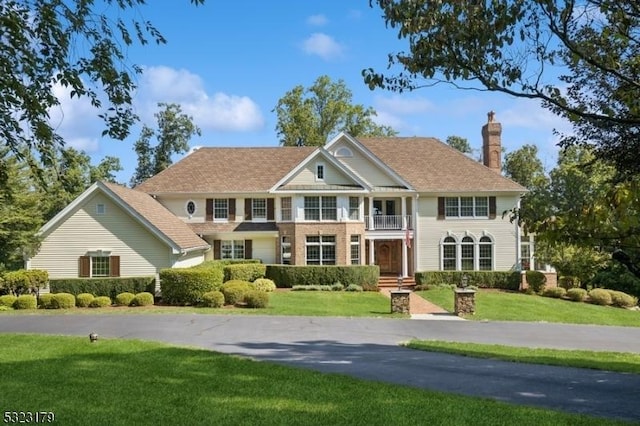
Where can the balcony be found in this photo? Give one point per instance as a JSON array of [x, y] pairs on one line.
[[387, 222]]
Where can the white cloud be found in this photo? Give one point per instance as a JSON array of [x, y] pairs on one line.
[[323, 45], [317, 20], [219, 111]]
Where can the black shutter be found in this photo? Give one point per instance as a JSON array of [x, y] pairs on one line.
[[492, 207], [209, 209], [84, 266], [247, 209], [232, 209], [440, 208], [248, 249], [271, 209], [216, 249], [114, 266]]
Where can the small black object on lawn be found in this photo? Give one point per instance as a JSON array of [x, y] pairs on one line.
[[93, 337]]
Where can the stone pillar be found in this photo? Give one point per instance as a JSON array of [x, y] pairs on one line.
[[400, 302], [464, 301]]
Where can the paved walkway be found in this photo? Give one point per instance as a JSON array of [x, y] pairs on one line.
[[422, 309]]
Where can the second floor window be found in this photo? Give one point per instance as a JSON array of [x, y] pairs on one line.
[[466, 207], [220, 208], [354, 208], [259, 208], [285, 209], [320, 208]]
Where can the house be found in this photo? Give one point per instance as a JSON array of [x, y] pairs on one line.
[[405, 203]]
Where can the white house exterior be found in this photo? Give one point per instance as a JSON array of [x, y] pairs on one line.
[[405, 204]]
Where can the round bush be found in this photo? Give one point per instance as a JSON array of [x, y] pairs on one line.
[[264, 284], [337, 287], [83, 300], [25, 301], [45, 301], [213, 299], [256, 299], [568, 282], [142, 299], [536, 280], [124, 299], [555, 292], [186, 286], [622, 299], [600, 296], [63, 301], [100, 302], [235, 290], [577, 294], [7, 300], [353, 287]]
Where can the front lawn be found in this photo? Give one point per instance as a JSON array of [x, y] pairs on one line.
[[128, 382], [508, 306]]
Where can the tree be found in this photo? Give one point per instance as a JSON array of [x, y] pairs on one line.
[[80, 45], [460, 143], [524, 48], [175, 129], [524, 166], [312, 116]]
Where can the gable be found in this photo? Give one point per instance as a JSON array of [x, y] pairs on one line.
[[307, 175]]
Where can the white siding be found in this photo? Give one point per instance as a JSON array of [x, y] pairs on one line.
[[431, 231], [190, 259], [141, 253], [332, 176], [365, 168], [178, 206], [264, 249]]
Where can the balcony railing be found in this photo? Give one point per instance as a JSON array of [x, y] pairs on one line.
[[387, 222]]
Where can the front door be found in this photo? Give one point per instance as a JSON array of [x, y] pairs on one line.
[[387, 257]]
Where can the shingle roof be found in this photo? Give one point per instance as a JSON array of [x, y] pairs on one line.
[[158, 216], [227, 170], [207, 228], [432, 166]]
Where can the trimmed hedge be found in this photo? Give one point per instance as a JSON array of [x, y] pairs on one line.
[[555, 292], [8, 300], [244, 271], [256, 299], [25, 281], [213, 299], [103, 286], [286, 276], [577, 294], [142, 299], [264, 284], [535, 280], [186, 286], [235, 290], [100, 302], [83, 300], [600, 296], [505, 280], [45, 301], [63, 301], [124, 299], [25, 301], [622, 299]]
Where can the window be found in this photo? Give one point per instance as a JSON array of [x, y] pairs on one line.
[[344, 152], [525, 253], [485, 254], [100, 266], [319, 171], [220, 209], [467, 250], [466, 207], [191, 208], [259, 208], [285, 208], [320, 208], [355, 249], [100, 209], [354, 208], [285, 250], [321, 249], [449, 254], [232, 249]]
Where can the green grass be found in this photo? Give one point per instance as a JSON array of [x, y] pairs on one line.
[[624, 362], [126, 382], [506, 306]]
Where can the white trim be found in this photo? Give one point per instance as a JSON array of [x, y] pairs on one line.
[[320, 166]]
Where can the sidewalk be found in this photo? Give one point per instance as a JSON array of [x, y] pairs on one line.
[[421, 308]]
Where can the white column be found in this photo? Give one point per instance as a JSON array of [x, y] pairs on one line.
[[405, 260], [403, 211], [518, 242], [371, 257], [370, 214]]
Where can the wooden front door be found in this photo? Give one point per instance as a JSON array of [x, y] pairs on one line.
[[388, 257]]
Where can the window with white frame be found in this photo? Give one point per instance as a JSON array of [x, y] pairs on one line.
[[355, 249], [320, 208], [467, 254], [467, 251], [321, 249], [100, 266], [100, 209], [485, 254], [220, 209], [285, 250], [449, 249], [466, 207], [285, 209], [259, 208], [354, 208], [525, 252], [319, 171], [232, 249]]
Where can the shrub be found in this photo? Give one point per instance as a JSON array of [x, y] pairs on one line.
[[7, 300], [353, 287], [311, 288], [555, 292], [25, 301], [235, 290], [100, 302], [617, 277], [568, 282], [5, 308], [213, 299], [577, 294], [286, 276], [256, 299], [142, 299], [103, 286], [244, 272], [622, 300], [45, 301], [186, 286], [124, 299], [600, 296], [25, 281], [264, 284], [337, 287], [536, 280], [63, 301], [83, 300], [505, 280]]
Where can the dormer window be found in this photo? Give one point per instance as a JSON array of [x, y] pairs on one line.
[[319, 171], [344, 152]]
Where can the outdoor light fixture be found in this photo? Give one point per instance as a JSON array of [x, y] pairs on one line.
[[399, 282], [93, 337], [464, 281]]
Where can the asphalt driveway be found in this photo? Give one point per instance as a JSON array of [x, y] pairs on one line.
[[368, 348]]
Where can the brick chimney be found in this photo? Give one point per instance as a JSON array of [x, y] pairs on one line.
[[491, 145]]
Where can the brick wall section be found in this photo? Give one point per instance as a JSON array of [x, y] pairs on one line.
[[299, 231], [552, 280]]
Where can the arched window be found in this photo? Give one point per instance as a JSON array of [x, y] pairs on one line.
[[344, 152], [467, 250], [485, 254], [449, 254]]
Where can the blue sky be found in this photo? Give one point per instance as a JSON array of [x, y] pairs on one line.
[[228, 63]]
